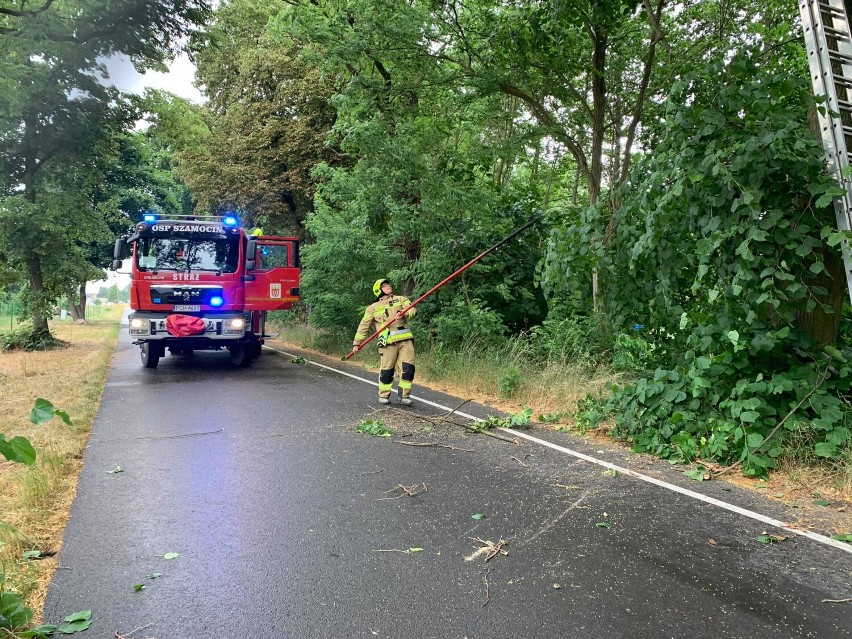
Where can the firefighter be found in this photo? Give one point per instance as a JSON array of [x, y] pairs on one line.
[[396, 343]]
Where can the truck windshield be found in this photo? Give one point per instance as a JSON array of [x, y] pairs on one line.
[[187, 254]]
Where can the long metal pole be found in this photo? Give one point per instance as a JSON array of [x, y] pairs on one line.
[[399, 315]]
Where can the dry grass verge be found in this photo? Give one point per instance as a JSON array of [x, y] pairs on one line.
[[35, 501]]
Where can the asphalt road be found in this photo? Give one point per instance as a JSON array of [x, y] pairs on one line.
[[290, 524]]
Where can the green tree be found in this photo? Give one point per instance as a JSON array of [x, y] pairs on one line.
[[268, 116], [55, 116], [719, 233]]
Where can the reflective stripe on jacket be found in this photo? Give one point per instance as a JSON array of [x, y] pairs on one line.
[[380, 312]]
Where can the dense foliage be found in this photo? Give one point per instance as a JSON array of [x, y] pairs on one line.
[[718, 240], [60, 129]]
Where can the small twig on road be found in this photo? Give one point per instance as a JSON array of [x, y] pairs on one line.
[[456, 408], [411, 491], [520, 462], [485, 581], [118, 635], [488, 548], [375, 472], [205, 432], [433, 445], [847, 600]]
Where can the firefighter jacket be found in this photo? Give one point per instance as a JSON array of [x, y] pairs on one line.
[[378, 313]]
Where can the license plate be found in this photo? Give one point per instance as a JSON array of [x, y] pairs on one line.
[[188, 307]]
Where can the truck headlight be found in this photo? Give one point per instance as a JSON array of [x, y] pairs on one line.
[[233, 326], [139, 326]]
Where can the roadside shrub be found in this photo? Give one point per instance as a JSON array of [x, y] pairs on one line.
[[463, 322], [21, 338], [569, 339], [735, 405], [509, 383], [634, 353]]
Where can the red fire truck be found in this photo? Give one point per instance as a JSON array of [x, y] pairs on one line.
[[204, 283]]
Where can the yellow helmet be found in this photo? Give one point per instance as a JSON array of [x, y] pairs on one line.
[[377, 287]]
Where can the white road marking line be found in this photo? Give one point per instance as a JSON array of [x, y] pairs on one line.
[[776, 523]]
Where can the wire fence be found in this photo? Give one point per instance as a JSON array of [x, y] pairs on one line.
[[10, 313]]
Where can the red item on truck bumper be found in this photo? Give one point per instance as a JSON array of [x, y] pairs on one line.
[[184, 325]]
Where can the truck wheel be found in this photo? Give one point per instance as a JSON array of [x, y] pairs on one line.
[[256, 349], [151, 354], [240, 354]]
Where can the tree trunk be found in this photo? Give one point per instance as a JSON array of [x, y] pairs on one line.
[[822, 327], [41, 331], [72, 304], [80, 305]]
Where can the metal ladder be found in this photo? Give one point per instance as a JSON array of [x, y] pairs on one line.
[[829, 46]]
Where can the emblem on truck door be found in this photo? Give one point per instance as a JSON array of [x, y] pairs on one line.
[[275, 291]]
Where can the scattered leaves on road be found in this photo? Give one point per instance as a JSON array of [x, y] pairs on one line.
[[478, 516], [117, 469], [77, 622], [171, 555], [374, 427]]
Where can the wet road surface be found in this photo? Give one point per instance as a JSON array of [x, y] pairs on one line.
[[290, 524]]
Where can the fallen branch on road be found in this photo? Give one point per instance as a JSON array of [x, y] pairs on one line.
[[488, 548], [434, 445]]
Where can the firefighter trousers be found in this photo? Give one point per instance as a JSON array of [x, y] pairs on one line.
[[398, 356]]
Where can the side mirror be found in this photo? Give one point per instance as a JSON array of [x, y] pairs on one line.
[[251, 251], [116, 264], [119, 249]]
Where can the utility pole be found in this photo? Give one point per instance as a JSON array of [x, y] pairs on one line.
[[828, 41]]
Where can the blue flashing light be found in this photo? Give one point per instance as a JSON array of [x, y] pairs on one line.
[[230, 220], [149, 217], [216, 300]]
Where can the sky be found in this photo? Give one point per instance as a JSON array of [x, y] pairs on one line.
[[179, 81]]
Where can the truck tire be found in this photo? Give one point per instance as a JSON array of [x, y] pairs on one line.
[[240, 354], [256, 348], [151, 354]]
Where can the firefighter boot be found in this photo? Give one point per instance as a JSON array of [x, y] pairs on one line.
[[405, 384], [385, 385]]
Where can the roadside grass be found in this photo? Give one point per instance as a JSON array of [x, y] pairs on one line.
[[504, 377], [35, 501]]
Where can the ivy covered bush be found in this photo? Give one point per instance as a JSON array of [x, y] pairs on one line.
[[723, 244]]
